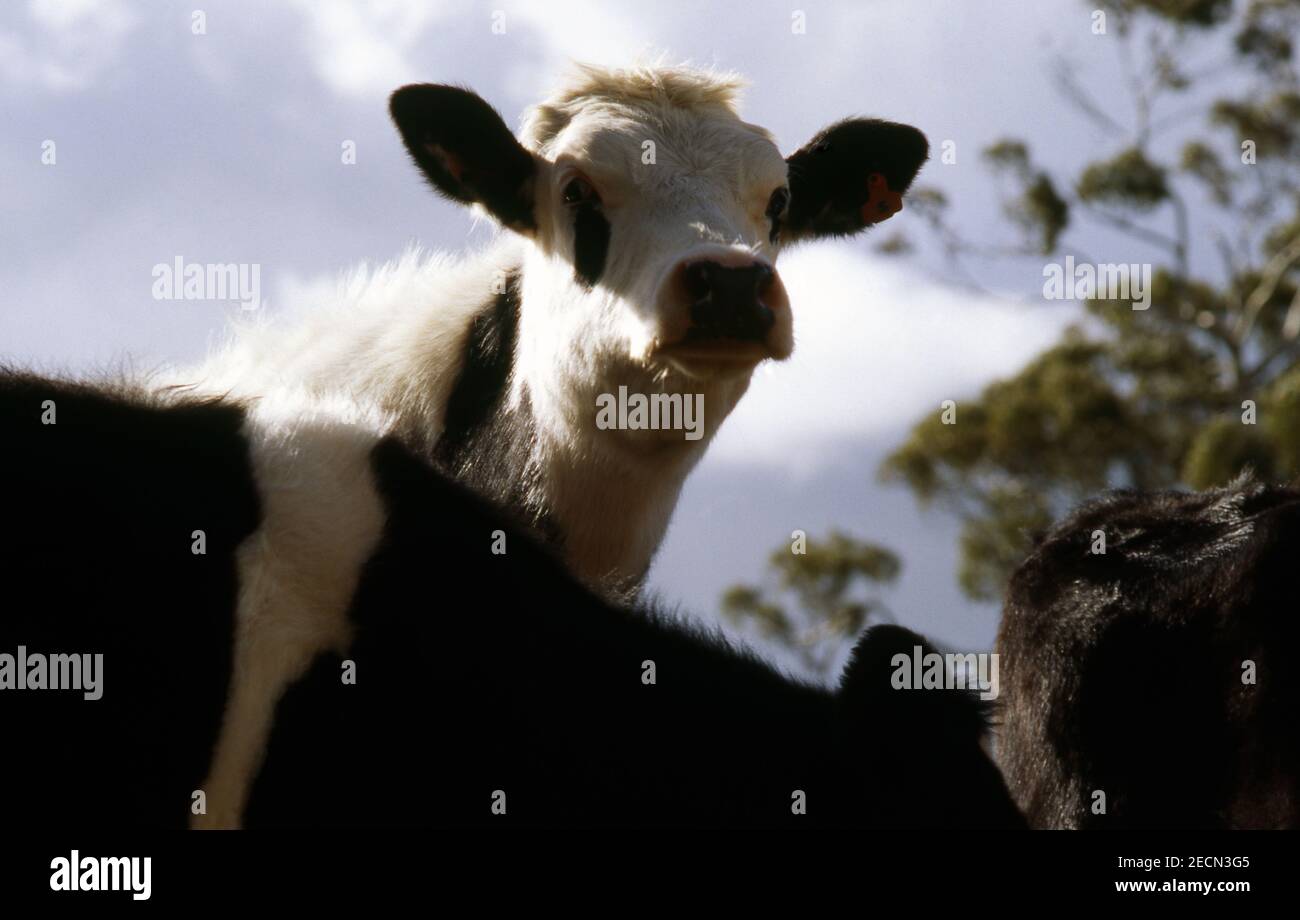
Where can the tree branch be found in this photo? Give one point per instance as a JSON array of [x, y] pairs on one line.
[[1263, 292], [1123, 223], [1082, 101]]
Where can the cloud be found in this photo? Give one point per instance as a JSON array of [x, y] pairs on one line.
[[359, 49], [64, 45], [877, 345], [593, 33]]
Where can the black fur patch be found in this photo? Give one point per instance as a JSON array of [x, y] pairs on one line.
[[95, 557], [523, 681], [1122, 672], [828, 175], [590, 243], [485, 444], [484, 374]]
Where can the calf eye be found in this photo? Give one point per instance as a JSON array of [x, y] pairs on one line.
[[590, 229], [776, 207], [579, 192]]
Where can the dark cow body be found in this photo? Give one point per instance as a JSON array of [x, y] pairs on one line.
[[530, 684], [95, 557], [474, 672], [1123, 672]]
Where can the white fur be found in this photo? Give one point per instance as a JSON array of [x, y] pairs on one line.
[[321, 520], [391, 337]]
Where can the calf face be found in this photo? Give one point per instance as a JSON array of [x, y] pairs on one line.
[[656, 216]]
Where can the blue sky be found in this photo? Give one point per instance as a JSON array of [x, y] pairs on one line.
[[225, 147]]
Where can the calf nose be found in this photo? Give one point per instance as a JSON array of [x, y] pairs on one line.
[[727, 301]]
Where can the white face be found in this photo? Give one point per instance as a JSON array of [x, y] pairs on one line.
[[663, 197], [653, 217]]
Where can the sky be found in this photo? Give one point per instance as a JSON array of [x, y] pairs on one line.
[[224, 145]]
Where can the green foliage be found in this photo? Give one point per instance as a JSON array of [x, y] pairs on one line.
[[1273, 124], [1129, 180], [832, 582], [1201, 161], [1223, 448], [1147, 398], [1266, 36], [930, 205], [1009, 156], [1203, 13], [894, 245], [994, 542], [1282, 420], [1039, 210]]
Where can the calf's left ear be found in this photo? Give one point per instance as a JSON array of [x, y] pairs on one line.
[[850, 176], [466, 151]]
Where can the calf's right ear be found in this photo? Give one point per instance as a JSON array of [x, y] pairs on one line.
[[850, 176], [466, 151]]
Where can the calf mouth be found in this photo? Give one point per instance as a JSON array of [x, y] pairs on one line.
[[722, 351], [712, 358]]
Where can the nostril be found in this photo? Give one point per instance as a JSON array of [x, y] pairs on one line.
[[727, 301], [698, 280]]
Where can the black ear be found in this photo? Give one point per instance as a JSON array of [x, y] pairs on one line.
[[866, 687], [850, 176], [466, 151]]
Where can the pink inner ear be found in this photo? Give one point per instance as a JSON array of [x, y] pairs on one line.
[[448, 160], [882, 201]]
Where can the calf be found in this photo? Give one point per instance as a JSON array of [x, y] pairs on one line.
[[462, 686], [1154, 684], [645, 219]]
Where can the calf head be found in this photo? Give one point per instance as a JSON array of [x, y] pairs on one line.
[[655, 217]]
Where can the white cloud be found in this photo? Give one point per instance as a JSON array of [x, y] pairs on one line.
[[877, 345], [361, 48], [65, 45], [561, 32], [364, 48], [593, 33]]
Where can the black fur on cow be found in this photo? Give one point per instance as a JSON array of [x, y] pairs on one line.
[[480, 679], [1129, 673]]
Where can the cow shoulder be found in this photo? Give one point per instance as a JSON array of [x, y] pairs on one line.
[[123, 511]]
